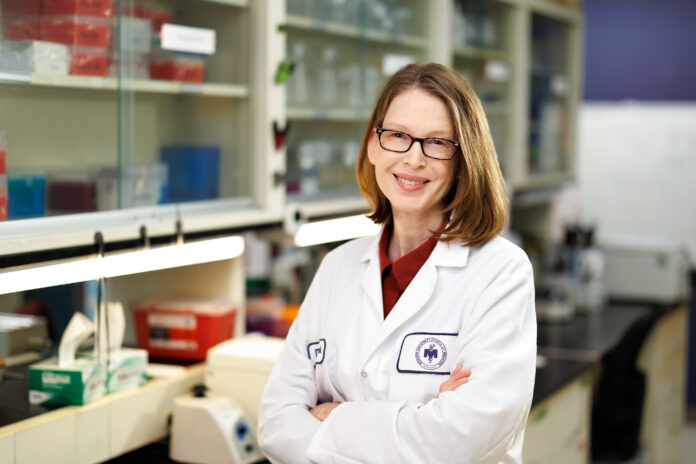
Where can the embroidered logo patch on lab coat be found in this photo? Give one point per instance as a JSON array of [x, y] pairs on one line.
[[316, 351], [426, 353]]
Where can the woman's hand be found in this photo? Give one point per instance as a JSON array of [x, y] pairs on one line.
[[322, 410], [458, 377]]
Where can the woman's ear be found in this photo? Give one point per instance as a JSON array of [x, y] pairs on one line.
[[372, 146]]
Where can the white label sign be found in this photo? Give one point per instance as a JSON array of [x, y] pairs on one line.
[[188, 39]]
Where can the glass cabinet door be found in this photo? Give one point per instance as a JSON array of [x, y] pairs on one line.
[[481, 53], [185, 113], [58, 109], [343, 51], [109, 105], [550, 98]]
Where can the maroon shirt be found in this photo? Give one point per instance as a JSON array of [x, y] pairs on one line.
[[397, 275]]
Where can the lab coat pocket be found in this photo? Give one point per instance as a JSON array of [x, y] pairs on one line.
[[425, 361]]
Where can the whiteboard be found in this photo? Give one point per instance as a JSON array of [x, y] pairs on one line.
[[637, 172]]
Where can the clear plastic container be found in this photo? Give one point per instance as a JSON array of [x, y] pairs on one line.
[[140, 186], [35, 56]]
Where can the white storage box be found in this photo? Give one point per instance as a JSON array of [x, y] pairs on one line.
[[240, 367], [34, 56]]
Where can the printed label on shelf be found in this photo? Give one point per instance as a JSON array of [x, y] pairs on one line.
[[188, 39]]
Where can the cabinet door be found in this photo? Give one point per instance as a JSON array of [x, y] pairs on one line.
[[188, 107], [553, 94], [343, 51], [482, 40], [165, 106], [58, 108]]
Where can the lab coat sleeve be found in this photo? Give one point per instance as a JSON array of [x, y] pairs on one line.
[[285, 423], [478, 422]]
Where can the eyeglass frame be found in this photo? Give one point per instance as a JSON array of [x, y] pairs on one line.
[[381, 130]]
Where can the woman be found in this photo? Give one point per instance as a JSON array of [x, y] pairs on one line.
[[388, 318]]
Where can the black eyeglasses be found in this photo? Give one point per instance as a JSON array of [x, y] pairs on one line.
[[401, 142]]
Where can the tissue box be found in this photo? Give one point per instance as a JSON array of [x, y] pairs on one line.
[[126, 370], [78, 384]]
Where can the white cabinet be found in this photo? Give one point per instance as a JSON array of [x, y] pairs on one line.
[[663, 359], [109, 427], [558, 429]]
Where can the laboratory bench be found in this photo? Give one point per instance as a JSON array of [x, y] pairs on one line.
[[132, 424]]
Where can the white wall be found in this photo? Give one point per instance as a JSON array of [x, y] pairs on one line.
[[637, 172]]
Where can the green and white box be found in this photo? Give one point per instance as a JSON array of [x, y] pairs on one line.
[[127, 369], [77, 384]]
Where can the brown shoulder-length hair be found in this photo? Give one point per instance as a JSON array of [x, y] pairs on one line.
[[477, 203]]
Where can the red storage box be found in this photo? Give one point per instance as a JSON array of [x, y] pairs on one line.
[[76, 30], [89, 61], [184, 69], [20, 28], [21, 8], [100, 8], [181, 329]]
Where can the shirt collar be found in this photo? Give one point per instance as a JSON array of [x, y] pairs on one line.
[[445, 254], [406, 267]]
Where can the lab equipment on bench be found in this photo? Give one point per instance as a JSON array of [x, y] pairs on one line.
[[239, 368], [211, 429], [21, 333], [653, 272]]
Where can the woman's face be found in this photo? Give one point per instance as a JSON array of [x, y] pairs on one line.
[[414, 184]]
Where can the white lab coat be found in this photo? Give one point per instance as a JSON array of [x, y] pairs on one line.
[[473, 306]]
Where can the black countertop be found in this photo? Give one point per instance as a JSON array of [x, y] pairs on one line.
[[570, 348], [553, 374], [589, 336]]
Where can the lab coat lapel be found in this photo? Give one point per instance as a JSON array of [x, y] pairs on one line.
[[372, 281]]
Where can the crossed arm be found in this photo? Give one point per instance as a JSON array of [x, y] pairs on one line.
[[458, 377]]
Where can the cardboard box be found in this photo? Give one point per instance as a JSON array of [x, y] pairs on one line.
[[78, 384]]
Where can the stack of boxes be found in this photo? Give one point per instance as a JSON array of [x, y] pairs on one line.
[[56, 36], [82, 25]]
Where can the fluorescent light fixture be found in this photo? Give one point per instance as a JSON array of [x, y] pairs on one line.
[[334, 230], [120, 264]]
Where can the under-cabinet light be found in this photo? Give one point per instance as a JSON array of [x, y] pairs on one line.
[[334, 230], [120, 264]]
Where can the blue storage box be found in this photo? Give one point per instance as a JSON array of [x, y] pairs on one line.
[[194, 172], [26, 196]]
